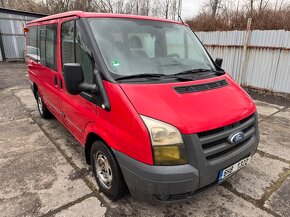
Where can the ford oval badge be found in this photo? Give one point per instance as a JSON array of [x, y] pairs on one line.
[[236, 138]]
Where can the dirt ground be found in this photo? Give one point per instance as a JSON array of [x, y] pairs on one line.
[[43, 170]]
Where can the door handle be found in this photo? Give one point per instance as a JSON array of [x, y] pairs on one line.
[[55, 80]]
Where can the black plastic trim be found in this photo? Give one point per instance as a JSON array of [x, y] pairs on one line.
[[201, 87], [163, 180]]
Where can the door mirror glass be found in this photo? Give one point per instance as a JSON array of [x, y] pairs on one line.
[[73, 77], [219, 62]]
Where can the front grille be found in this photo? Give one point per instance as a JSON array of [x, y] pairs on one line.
[[201, 87], [231, 126], [215, 143], [228, 150]]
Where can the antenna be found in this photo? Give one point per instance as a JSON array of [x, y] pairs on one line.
[[180, 19], [179, 11]]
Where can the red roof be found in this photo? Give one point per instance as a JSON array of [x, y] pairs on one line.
[[100, 15]]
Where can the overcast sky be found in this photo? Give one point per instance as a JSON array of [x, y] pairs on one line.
[[191, 8]]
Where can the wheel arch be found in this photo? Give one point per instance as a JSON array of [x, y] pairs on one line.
[[91, 138]]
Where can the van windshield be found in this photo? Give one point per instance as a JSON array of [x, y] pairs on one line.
[[134, 47]]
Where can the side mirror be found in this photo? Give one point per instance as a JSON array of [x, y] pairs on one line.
[[74, 79], [219, 62]]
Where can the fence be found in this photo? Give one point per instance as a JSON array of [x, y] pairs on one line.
[[267, 57]]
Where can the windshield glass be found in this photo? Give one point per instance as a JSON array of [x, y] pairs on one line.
[[131, 46]]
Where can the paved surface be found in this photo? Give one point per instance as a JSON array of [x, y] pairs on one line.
[[43, 170]]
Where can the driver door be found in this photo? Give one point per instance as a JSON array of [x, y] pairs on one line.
[[77, 111]]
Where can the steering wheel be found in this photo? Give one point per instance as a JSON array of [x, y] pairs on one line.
[[174, 55]]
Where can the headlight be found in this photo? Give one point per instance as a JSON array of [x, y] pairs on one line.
[[167, 143]]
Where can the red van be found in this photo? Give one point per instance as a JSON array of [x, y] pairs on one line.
[[155, 114]]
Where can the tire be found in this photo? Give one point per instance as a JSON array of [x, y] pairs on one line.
[[42, 109], [107, 171]]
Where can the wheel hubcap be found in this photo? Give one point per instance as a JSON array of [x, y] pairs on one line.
[[103, 170], [40, 105]]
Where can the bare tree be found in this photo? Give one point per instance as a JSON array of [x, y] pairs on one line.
[[107, 6], [2, 3], [166, 8], [214, 5], [263, 4], [130, 6], [144, 7], [234, 17], [84, 5], [279, 5], [252, 7], [119, 7]]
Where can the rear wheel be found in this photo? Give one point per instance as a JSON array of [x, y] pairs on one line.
[[43, 110], [107, 171]]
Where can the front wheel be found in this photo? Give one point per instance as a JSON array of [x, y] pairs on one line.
[[107, 171]]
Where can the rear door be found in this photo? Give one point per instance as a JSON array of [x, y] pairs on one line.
[[48, 68], [42, 63], [33, 54]]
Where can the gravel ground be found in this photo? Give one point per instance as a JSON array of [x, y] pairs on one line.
[[43, 169]]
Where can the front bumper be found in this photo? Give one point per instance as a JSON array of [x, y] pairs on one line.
[[166, 184]]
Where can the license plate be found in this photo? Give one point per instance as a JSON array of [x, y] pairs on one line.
[[225, 173]]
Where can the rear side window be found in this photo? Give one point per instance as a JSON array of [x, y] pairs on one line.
[[42, 34], [74, 49], [32, 44], [48, 46]]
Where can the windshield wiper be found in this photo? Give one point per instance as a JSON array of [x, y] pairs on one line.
[[146, 75], [188, 72]]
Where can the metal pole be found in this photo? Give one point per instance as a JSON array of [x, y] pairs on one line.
[[246, 40]]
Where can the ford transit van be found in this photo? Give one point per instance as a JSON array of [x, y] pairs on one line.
[[154, 113]]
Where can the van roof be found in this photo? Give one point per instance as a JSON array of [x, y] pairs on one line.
[[99, 15]]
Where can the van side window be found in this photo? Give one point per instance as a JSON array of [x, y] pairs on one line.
[[32, 44], [42, 33], [48, 46], [74, 50], [83, 57], [67, 42]]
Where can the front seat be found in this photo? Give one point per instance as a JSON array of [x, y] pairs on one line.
[[135, 47]]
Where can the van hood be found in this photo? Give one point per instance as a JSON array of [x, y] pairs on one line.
[[191, 112]]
